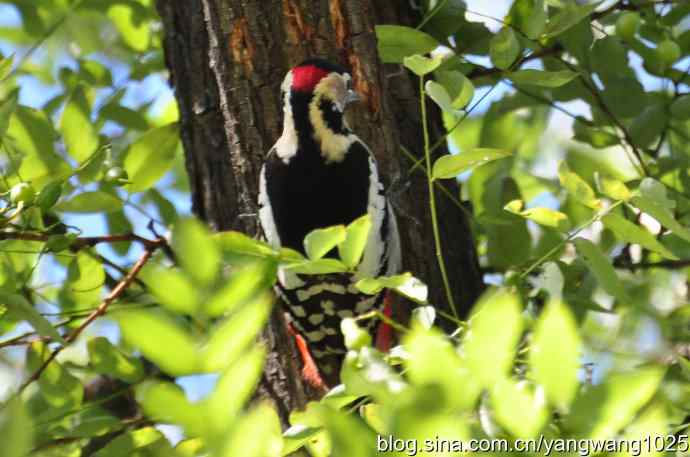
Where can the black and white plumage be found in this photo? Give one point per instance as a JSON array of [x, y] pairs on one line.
[[320, 174]]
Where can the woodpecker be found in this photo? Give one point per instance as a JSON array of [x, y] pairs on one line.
[[319, 174]]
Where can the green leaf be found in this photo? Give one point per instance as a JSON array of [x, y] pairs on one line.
[[95, 73], [130, 441], [498, 308], [5, 67], [543, 216], [404, 283], [648, 125], [57, 386], [319, 242], [577, 187], [151, 156], [7, 108], [554, 356], [421, 65], [33, 135], [85, 278], [79, 134], [443, 369], [451, 165], [550, 79], [243, 285], [395, 42], [90, 202], [166, 402], [297, 437], [662, 215], [109, 360], [49, 195], [160, 339], [260, 421], [631, 233], [21, 307], [352, 248], [317, 267], [241, 244], [439, 95], [680, 108], [459, 88], [654, 201], [595, 136], [602, 269], [234, 389], [15, 429], [196, 250], [172, 288], [602, 410], [613, 188], [234, 336], [135, 32], [519, 408], [504, 48], [568, 17], [528, 16]]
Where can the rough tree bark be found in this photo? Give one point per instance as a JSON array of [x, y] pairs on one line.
[[227, 59]]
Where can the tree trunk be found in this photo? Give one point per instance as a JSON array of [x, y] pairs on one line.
[[227, 59]]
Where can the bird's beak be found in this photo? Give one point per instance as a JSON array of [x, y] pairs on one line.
[[352, 97]]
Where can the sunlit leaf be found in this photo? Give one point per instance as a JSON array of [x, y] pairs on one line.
[[577, 187], [352, 248], [151, 156], [166, 402], [172, 288], [161, 340], [110, 360], [234, 389], [631, 233], [603, 409], [15, 429], [543, 216], [459, 88], [451, 165], [319, 242], [130, 441], [90, 202], [197, 252], [21, 307], [555, 353], [135, 32], [496, 309], [245, 283], [421, 65], [233, 337], [541, 78], [518, 407], [613, 188], [79, 134], [395, 42]]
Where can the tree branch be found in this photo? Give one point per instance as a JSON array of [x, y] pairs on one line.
[[102, 308]]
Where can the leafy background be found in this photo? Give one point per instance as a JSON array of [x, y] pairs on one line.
[[569, 125]]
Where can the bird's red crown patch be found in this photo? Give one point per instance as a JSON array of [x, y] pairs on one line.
[[305, 78]]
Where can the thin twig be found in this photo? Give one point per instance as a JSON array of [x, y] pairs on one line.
[[102, 308], [432, 202], [85, 241]]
